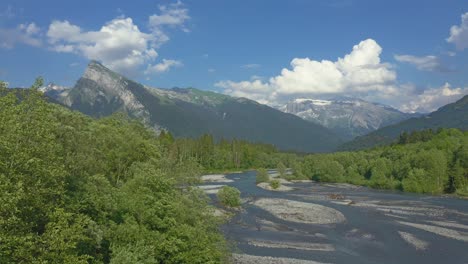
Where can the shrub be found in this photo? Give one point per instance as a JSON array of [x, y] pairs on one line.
[[229, 196], [262, 176], [275, 184], [281, 169]]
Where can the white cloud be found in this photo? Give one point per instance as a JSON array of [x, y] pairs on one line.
[[431, 99], [28, 34], [425, 63], [459, 34], [255, 90], [211, 70], [8, 13], [174, 15], [251, 66], [358, 72], [119, 44], [164, 66], [256, 77]]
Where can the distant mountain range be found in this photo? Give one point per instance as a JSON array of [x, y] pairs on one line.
[[453, 115], [191, 112], [347, 117], [305, 125]]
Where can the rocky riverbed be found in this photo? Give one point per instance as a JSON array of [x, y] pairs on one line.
[[341, 223]]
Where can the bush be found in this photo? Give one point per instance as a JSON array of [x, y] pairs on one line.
[[275, 184], [262, 176], [281, 169], [229, 196]]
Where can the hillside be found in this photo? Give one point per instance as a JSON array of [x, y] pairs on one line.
[[191, 112], [346, 117], [453, 115]]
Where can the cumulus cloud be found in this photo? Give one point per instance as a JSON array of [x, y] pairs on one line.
[[459, 34], [360, 71], [174, 15], [255, 90], [28, 34], [164, 66], [119, 44], [431, 99], [424, 63]]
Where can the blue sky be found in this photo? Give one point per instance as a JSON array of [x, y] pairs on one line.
[[410, 54]]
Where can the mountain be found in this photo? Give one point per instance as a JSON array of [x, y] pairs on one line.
[[55, 91], [454, 115], [191, 112], [347, 117]]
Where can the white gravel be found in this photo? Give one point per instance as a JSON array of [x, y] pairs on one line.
[[414, 241], [250, 259], [441, 231], [293, 245], [450, 224], [281, 188], [215, 178], [300, 212], [211, 189], [301, 181]]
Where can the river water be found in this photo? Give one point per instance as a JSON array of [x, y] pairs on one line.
[[378, 226]]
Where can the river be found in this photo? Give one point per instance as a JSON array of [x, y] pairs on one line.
[[345, 224]]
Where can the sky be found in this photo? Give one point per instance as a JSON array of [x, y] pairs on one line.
[[412, 55]]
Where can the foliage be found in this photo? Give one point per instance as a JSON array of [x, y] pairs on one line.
[[275, 184], [79, 190], [281, 169], [422, 162], [229, 196], [262, 176], [190, 113], [454, 115]]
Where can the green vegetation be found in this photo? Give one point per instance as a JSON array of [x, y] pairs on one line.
[[281, 169], [454, 115], [275, 184], [229, 196], [190, 113], [78, 190], [74, 189], [262, 176], [223, 155], [422, 162]]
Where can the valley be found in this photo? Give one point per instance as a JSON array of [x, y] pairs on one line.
[[342, 223], [233, 132]]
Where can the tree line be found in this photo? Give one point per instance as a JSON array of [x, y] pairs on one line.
[[433, 162], [74, 189]]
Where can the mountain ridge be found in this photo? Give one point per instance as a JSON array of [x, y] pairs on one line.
[[454, 115], [189, 112], [346, 117]]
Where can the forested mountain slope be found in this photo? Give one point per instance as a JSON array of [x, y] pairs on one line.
[[346, 117], [453, 115], [191, 112]]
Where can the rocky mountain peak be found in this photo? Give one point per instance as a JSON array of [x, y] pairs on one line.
[[347, 117], [103, 76]]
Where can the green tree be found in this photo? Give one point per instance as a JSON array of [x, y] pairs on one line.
[[229, 196], [281, 169], [262, 176], [275, 184]]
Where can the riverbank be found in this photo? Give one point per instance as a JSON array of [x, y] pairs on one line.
[[342, 223]]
